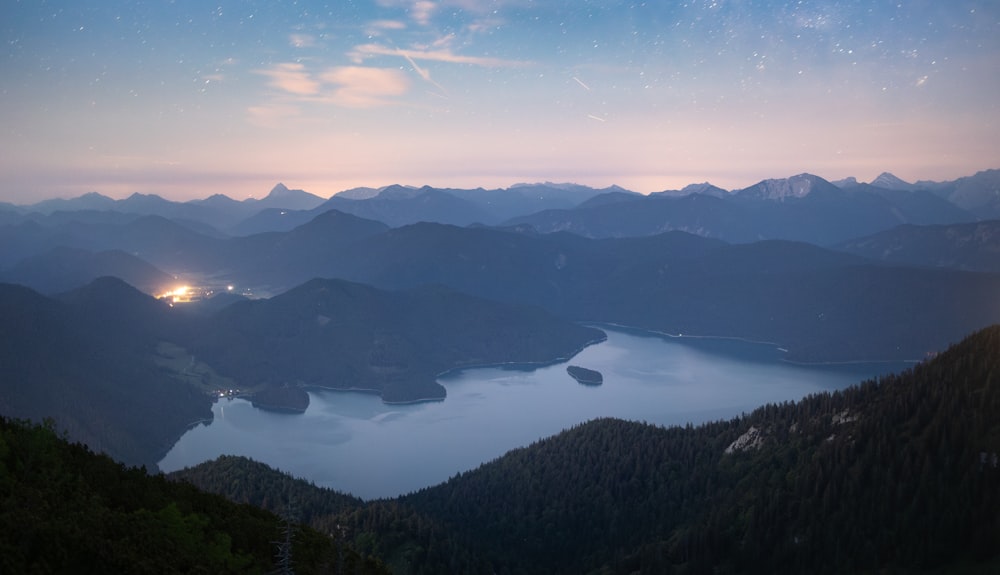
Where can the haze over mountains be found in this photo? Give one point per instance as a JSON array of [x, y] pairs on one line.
[[680, 262]]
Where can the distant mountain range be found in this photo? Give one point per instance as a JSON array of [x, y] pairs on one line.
[[570, 207], [801, 208], [821, 304]]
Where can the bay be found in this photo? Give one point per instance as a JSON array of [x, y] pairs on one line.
[[354, 443]]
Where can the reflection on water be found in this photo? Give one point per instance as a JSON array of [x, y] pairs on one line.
[[355, 443]]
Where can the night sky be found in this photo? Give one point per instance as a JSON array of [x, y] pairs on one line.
[[187, 98]]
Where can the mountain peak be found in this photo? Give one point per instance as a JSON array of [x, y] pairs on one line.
[[704, 188], [846, 183], [891, 182], [279, 190], [798, 186], [282, 197]]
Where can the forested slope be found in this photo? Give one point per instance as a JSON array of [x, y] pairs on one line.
[[896, 474], [64, 509]]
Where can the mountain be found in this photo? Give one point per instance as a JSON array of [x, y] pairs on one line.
[[978, 194], [361, 193], [272, 220], [608, 198], [341, 335], [522, 199], [844, 309], [217, 212], [798, 186], [972, 246], [88, 361], [647, 215], [155, 239], [127, 374], [846, 183], [62, 269], [399, 205], [280, 197], [820, 304], [893, 475], [67, 510], [801, 208], [88, 201], [919, 207], [703, 188], [291, 258], [891, 182]]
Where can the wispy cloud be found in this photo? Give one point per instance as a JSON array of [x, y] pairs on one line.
[[299, 40], [421, 11], [363, 51], [378, 27], [291, 77], [363, 87], [348, 86]]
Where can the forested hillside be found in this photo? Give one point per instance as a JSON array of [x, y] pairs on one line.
[[127, 374], [899, 474], [64, 509], [85, 360]]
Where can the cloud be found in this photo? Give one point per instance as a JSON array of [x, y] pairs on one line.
[[363, 87], [291, 77], [302, 40], [349, 86], [421, 11], [360, 52], [377, 27], [485, 15]]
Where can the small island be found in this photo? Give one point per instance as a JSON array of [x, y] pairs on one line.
[[585, 376]]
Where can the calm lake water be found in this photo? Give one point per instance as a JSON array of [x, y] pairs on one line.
[[354, 443]]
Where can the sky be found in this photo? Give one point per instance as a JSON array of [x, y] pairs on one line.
[[187, 98]]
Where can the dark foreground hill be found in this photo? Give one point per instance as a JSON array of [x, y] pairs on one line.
[[896, 475], [64, 509]]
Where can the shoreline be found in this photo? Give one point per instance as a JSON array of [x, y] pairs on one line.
[[778, 346], [369, 391], [531, 365]]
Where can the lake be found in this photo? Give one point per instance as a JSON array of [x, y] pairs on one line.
[[354, 443]]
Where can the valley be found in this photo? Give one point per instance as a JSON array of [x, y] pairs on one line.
[[489, 411], [389, 359]]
